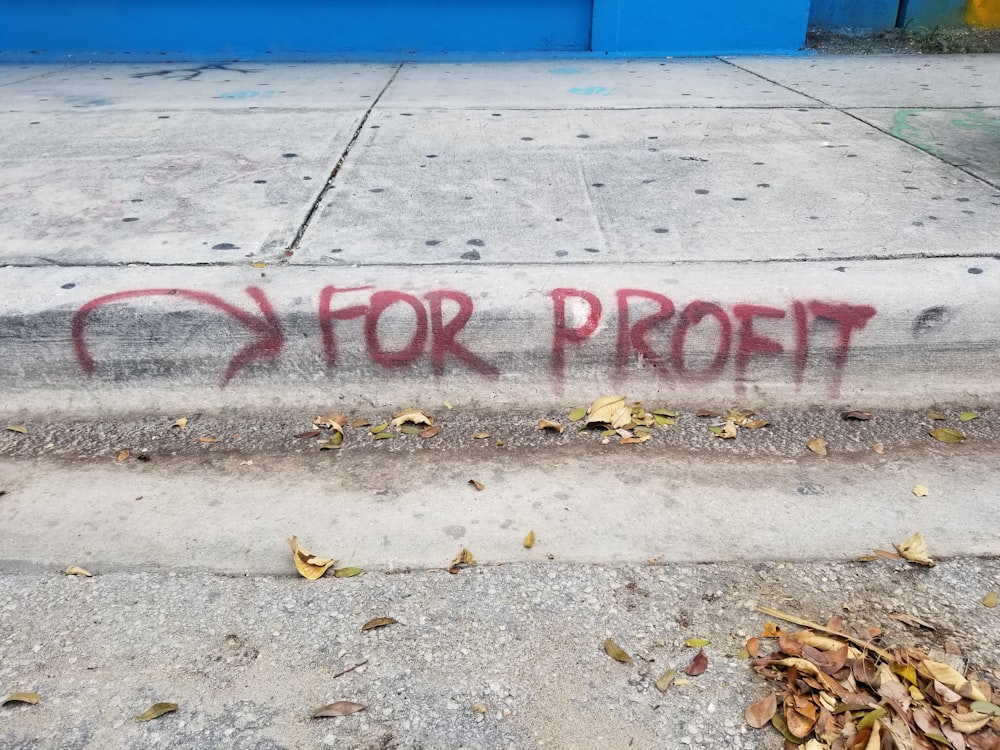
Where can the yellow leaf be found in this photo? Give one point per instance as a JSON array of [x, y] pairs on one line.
[[464, 558], [936, 415], [448, 406], [181, 423], [529, 540], [412, 415], [635, 440], [947, 435], [665, 679], [411, 429], [613, 650], [968, 416], [727, 432], [383, 436], [381, 427], [259, 264], [756, 424], [156, 710], [308, 565], [477, 484], [817, 445], [123, 456], [378, 622], [664, 421], [480, 435], [576, 415], [665, 413], [18, 428], [548, 424], [921, 491], [362, 422], [696, 642], [990, 600], [914, 549], [76, 570], [603, 409], [31, 698], [347, 572]]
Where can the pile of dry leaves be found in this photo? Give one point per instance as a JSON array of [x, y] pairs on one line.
[[839, 691]]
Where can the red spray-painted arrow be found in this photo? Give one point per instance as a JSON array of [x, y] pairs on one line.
[[267, 346]]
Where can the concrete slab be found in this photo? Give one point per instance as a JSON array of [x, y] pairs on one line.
[[432, 187], [903, 333], [10, 74], [885, 81], [162, 186], [184, 86], [968, 138], [584, 84]]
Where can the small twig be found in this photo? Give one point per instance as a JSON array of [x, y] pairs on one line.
[[349, 669], [866, 645]]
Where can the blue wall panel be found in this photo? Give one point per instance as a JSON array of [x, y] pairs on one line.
[[869, 14], [934, 13], [267, 29], [696, 27]]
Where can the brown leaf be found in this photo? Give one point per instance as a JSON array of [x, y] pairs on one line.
[[634, 440], [604, 409], [123, 456], [76, 570], [480, 435], [800, 715], [936, 415], [878, 448], [415, 416], [156, 710], [331, 422], [307, 435], [613, 650], [31, 698], [861, 416], [755, 424], [911, 620], [431, 431], [208, 439], [698, 664], [477, 484], [359, 423], [340, 708], [308, 565], [758, 715], [378, 622], [707, 413], [753, 646], [529, 540], [817, 445], [548, 424]]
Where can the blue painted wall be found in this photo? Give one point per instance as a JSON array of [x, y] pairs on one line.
[[693, 27], [933, 13], [869, 14], [304, 29]]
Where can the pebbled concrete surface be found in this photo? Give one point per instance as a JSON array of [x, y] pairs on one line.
[[494, 657]]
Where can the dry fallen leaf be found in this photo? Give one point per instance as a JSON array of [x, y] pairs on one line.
[[76, 570], [990, 600], [415, 416], [31, 698], [726, 432], [529, 540], [911, 620], [480, 435], [878, 448], [613, 650], [463, 558], [431, 431], [18, 428], [181, 423], [817, 445], [914, 549], [968, 416], [604, 409], [759, 714], [379, 428], [207, 439], [361, 422], [340, 708], [696, 642], [477, 484], [308, 565], [698, 665], [861, 416], [378, 622], [156, 710], [336, 441], [331, 422], [308, 434], [123, 456], [634, 440], [665, 679], [350, 572], [936, 415], [921, 491], [947, 435], [548, 424], [755, 424]]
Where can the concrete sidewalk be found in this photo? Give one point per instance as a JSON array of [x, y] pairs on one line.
[[809, 230]]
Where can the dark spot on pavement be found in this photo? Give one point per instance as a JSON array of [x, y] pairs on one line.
[[583, 135], [701, 191], [562, 253], [476, 243], [225, 246], [471, 255], [527, 138], [739, 199], [260, 182], [661, 230], [597, 184], [975, 270], [377, 190], [591, 250], [810, 488], [289, 155], [432, 156], [131, 218], [840, 268], [763, 184], [930, 319], [432, 243], [307, 177], [68, 286]]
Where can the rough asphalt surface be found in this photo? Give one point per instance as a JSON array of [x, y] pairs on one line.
[[503, 656]]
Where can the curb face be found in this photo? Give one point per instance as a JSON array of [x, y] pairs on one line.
[[898, 334]]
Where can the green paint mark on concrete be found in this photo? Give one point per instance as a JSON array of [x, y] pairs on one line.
[[905, 128], [974, 119]]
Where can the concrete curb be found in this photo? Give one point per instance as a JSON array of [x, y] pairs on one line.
[[896, 334]]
